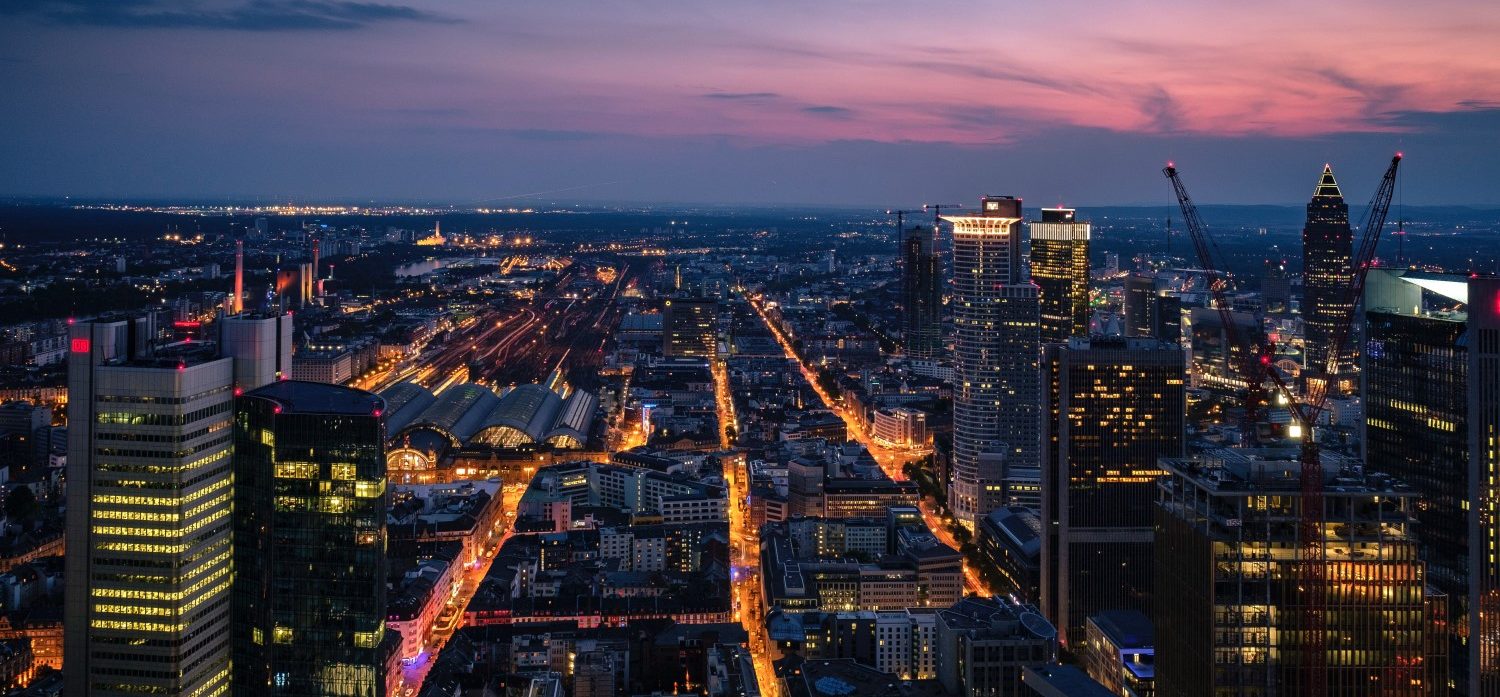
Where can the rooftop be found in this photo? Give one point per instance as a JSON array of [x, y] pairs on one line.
[[1063, 681], [1127, 629], [298, 397]]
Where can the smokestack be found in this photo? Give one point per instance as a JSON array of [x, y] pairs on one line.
[[239, 277]]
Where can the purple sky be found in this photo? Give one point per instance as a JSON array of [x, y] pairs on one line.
[[772, 101]]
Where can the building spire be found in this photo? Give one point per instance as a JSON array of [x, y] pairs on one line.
[[1328, 187]]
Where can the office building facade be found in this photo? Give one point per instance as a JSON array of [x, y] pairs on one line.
[[1117, 407], [1060, 268], [309, 541], [149, 502], [688, 328], [1484, 486], [1327, 274], [997, 396], [922, 294], [1415, 385], [1151, 309], [1232, 616]]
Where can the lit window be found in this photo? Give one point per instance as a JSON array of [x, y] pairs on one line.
[[296, 470]]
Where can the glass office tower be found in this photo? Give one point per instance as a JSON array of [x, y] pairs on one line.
[[309, 552], [146, 605], [1415, 385], [1060, 267], [1118, 405]]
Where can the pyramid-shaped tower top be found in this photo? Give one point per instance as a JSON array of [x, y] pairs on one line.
[[1328, 187]]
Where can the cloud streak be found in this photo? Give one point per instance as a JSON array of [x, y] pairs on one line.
[[252, 16]]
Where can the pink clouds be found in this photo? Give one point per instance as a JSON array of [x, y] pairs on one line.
[[976, 73]]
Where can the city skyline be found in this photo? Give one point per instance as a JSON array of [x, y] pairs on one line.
[[664, 101], [409, 349]]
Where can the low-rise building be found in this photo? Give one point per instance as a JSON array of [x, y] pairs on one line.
[[984, 645], [901, 427], [1010, 537], [1119, 652]]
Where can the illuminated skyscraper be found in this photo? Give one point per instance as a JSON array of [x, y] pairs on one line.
[[1327, 247], [688, 327], [149, 502], [309, 541], [997, 400], [1117, 406], [1415, 386], [922, 294], [1060, 268], [1230, 612]]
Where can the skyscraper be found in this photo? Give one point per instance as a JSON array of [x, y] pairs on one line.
[[1484, 486], [1117, 406], [1140, 291], [688, 327], [921, 286], [1060, 268], [1230, 612], [997, 401], [309, 541], [149, 502], [1327, 247], [1415, 386], [1150, 309]]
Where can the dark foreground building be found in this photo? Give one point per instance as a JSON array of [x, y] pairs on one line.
[[922, 294], [1231, 620], [1415, 387], [1117, 407], [309, 554]]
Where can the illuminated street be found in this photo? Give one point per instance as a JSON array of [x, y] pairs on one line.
[[889, 460], [744, 545], [451, 617]]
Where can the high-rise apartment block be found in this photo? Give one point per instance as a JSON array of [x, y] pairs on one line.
[[1060, 268], [309, 542], [1327, 274], [150, 483], [997, 395], [1232, 612], [1117, 407], [922, 294]]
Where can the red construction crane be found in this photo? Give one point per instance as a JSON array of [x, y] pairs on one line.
[[1310, 530], [1255, 354]]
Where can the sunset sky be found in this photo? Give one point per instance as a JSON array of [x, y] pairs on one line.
[[774, 101]]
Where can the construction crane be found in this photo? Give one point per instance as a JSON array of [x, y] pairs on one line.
[[900, 219], [1312, 572], [937, 210], [1364, 256], [937, 219], [900, 230], [1255, 354]]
